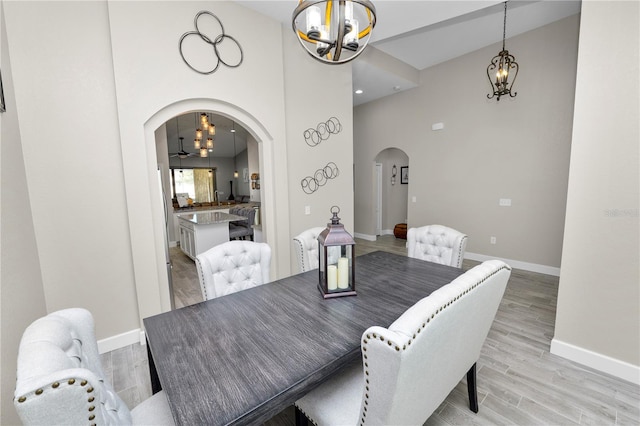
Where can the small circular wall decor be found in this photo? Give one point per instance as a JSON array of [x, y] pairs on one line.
[[322, 131]]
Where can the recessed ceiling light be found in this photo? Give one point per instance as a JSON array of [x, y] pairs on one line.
[[359, 92]]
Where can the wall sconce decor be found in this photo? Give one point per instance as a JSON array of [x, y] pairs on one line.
[[336, 257], [322, 132], [394, 172], [334, 32], [501, 65], [215, 43], [311, 184]]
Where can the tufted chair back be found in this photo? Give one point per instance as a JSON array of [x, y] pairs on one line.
[[408, 369], [414, 364], [437, 243], [233, 266], [306, 247], [60, 378]]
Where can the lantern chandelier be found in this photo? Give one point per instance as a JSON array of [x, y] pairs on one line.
[[204, 127], [501, 65], [334, 32]]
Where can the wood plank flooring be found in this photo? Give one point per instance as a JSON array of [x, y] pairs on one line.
[[519, 381]]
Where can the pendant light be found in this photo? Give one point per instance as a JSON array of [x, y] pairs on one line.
[[204, 126], [334, 32], [235, 172], [501, 66]]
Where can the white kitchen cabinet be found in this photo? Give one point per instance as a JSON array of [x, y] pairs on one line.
[[203, 230]]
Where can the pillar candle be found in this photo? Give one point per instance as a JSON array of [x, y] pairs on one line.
[[332, 277], [343, 272]]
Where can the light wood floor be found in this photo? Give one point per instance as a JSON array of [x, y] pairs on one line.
[[519, 381]]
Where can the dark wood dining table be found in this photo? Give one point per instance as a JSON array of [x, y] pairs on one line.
[[244, 357]]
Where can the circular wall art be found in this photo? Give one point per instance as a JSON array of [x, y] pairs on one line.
[[214, 42]]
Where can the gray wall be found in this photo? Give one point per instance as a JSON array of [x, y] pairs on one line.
[[515, 148], [598, 319]]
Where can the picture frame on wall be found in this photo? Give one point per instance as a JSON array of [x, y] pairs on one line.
[[404, 175]]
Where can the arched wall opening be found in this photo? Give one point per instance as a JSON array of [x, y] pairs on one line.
[[391, 203], [152, 284]]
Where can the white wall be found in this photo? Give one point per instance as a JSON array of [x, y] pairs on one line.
[[516, 148], [316, 92], [598, 314], [64, 93], [22, 297]]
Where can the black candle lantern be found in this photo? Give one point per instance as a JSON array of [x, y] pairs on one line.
[[336, 259]]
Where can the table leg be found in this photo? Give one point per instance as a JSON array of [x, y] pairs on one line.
[[153, 373]]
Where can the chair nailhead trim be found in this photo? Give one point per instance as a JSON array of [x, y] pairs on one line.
[[404, 347]]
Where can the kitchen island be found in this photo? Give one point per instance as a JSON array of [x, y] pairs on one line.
[[202, 230]]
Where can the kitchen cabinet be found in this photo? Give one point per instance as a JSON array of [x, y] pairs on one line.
[[203, 230]]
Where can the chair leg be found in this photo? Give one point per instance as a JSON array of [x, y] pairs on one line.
[[472, 389], [301, 419]]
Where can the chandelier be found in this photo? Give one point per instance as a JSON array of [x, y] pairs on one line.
[[334, 32], [205, 126], [501, 65]]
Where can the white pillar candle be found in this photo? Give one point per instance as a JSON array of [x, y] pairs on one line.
[[332, 277], [343, 272]]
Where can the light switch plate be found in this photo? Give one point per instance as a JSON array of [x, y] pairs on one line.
[[505, 202]]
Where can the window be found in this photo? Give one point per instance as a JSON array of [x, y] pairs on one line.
[[200, 184]]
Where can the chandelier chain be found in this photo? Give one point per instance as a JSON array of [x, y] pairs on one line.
[[504, 27]]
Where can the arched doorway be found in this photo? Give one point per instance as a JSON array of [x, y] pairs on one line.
[[391, 203], [148, 242]]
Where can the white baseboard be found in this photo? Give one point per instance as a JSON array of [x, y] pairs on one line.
[[120, 340], [387, 232], [532, 267], [365, 236], [600, 362]]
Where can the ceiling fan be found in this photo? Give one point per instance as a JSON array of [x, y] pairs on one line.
[[182, 153]]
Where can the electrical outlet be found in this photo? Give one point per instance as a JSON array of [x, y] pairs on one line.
[[505, 202], [492, 240], [307, 209]]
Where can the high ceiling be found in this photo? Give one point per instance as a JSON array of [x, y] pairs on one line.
[[409, 36], [413, 35]]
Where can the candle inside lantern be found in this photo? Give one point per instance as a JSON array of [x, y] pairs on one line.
[[343, 272], [332, 277]]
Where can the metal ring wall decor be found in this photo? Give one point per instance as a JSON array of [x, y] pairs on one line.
[[322, 132], [311, 184], [214, 43]]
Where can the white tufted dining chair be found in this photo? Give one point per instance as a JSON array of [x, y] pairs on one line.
[[306, 247], [60, 379], [408, 369], [233, 266], [437, 243]]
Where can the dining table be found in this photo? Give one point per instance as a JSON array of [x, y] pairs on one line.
[[244, 357]]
